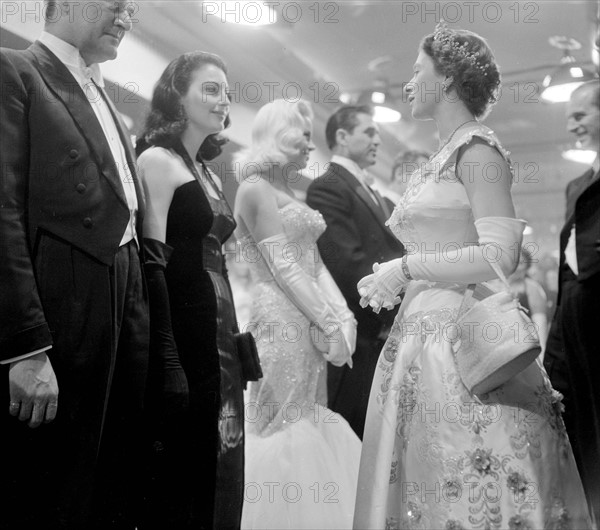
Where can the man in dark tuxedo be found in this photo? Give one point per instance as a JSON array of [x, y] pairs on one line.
[[356, 237], [572, 357], [73, 306]]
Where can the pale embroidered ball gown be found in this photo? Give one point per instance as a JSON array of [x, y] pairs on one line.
[[301, 458], [433, 456]]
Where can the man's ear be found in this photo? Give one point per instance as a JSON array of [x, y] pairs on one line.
[[340, 136]]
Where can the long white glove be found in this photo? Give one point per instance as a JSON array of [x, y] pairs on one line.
[[304, 292], [383, 287], [499, 240], [336, 300]]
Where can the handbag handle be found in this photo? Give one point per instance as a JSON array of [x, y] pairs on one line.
[[471, 287]]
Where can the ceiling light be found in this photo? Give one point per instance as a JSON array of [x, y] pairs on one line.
[[345, 98], [559, 85], [243, 12], [385, 114], [378, 99], [583, 156]]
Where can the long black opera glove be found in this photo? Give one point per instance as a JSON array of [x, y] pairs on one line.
[[165, 366]]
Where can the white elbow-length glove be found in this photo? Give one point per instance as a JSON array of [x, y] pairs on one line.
[[306, 295], [337, 302], [499, 241]]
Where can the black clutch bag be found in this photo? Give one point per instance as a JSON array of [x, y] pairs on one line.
[[248, 355]]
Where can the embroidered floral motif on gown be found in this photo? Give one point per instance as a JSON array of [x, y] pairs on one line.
[[435, 457], [301, 458]]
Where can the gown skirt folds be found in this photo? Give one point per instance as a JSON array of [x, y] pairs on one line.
[[301, 457], [435, 456]]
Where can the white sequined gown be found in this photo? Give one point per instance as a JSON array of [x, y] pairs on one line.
[[301, 458], [433, 457]]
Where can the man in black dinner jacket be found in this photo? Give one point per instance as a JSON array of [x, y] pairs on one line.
[[73, 306], [572, 356], [355, 238]]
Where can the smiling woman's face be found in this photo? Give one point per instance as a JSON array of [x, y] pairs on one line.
[[304, 146], [206, 103]]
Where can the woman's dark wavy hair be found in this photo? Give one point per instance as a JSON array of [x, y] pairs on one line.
[[477, 89], [167, 119]]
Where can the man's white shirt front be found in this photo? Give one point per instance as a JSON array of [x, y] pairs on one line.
[[361, 175]]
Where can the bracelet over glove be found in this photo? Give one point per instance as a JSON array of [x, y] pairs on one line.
[[499, 241]]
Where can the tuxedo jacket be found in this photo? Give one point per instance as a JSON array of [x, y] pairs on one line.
[[583, 210], [59, 184], [356, 237]]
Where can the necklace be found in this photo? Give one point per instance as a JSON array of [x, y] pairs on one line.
[[447, 141]]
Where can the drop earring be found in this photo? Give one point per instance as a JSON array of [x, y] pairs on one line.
[[447, 83]]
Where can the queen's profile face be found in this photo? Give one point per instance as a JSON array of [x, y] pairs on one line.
[[425, 88]]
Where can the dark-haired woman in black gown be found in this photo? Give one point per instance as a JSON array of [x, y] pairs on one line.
[[196, 401]]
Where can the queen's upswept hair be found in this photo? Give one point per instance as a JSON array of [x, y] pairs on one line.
[[167, 119], [468, 59], [277, 131]]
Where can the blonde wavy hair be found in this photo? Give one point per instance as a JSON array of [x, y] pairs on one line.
[[277, 131]]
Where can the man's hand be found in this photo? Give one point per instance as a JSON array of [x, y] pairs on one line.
[[33, 390]]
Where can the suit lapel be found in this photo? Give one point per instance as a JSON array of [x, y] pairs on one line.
[[66, 88], [368, 200], [591, 180], [350, 180], [578, 189], [384, 205], [574, 191]]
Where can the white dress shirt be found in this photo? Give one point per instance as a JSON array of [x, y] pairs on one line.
[[361, 175], [571, 252]]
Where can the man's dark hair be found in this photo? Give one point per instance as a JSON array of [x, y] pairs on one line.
[[344, 118]]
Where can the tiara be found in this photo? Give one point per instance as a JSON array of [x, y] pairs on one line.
[[448, 43]]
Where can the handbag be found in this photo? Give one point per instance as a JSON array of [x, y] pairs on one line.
[[496, 339], [248, 356]]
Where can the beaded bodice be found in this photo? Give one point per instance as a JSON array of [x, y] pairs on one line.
[[434, 214], [294, 371], [302, 226]]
